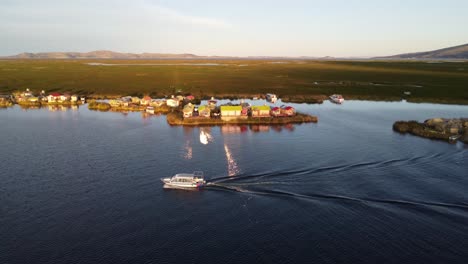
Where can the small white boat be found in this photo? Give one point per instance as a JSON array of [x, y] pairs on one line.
[[271, 98], [185, 180], [336, 98], [150, 110], [454, 138]]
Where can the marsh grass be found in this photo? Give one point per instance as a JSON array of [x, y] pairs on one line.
[[100, 106], [297, 81]]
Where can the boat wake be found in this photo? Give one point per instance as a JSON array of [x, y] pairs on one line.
[[317, 197], [286, 183], [348, 168]]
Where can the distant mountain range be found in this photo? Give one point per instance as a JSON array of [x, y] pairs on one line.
[[101, 54], [457, 52], [106, 54]]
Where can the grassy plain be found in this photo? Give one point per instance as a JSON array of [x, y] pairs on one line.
[[299, 79]]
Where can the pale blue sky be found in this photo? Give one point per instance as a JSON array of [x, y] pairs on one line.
[[235, 28]]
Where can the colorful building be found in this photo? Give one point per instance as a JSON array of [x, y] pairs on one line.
[[188, 110], [260, 111], [204, 111], [53, 97], [231, 110], [288, 110], [146, 100], [172, 102]]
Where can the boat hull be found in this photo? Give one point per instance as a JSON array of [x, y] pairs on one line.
[[336, 100], [183, 185]]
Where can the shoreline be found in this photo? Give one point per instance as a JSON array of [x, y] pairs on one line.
[[176, 119], [316, 98], [296, 99], [40, 104]]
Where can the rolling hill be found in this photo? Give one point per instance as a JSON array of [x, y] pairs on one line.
[[101, 54], [457, 52]]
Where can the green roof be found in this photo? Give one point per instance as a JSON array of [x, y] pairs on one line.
[[231, 108], [203, 107], [260, 107]]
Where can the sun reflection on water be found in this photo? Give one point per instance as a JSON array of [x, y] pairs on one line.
[[233, 169], [188, 151]]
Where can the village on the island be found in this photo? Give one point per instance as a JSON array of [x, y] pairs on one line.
[[29, 99], [184, 109], [190, 107]]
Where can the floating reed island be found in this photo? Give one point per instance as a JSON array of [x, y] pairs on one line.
[[446, 129], [5, 101], [180, 109], [188, 110], [176, 119], [237, 114], [28, 98], [123, 105]]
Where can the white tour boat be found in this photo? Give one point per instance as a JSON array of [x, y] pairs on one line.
[[337, 98], [185, 180]]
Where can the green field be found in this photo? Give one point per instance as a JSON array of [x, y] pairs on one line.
[[373, 80]]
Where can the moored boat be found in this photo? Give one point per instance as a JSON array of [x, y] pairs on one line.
[[454, 138], [150, 110], [337, 98], [185, 180], [271, 98]]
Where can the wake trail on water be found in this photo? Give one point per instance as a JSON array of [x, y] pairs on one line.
[[251, 183], [338, 168], [312, 196]]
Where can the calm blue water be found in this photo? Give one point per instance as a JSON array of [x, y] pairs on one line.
[[84, 187]]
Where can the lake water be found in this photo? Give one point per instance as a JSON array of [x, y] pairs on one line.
[[79, 186]]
